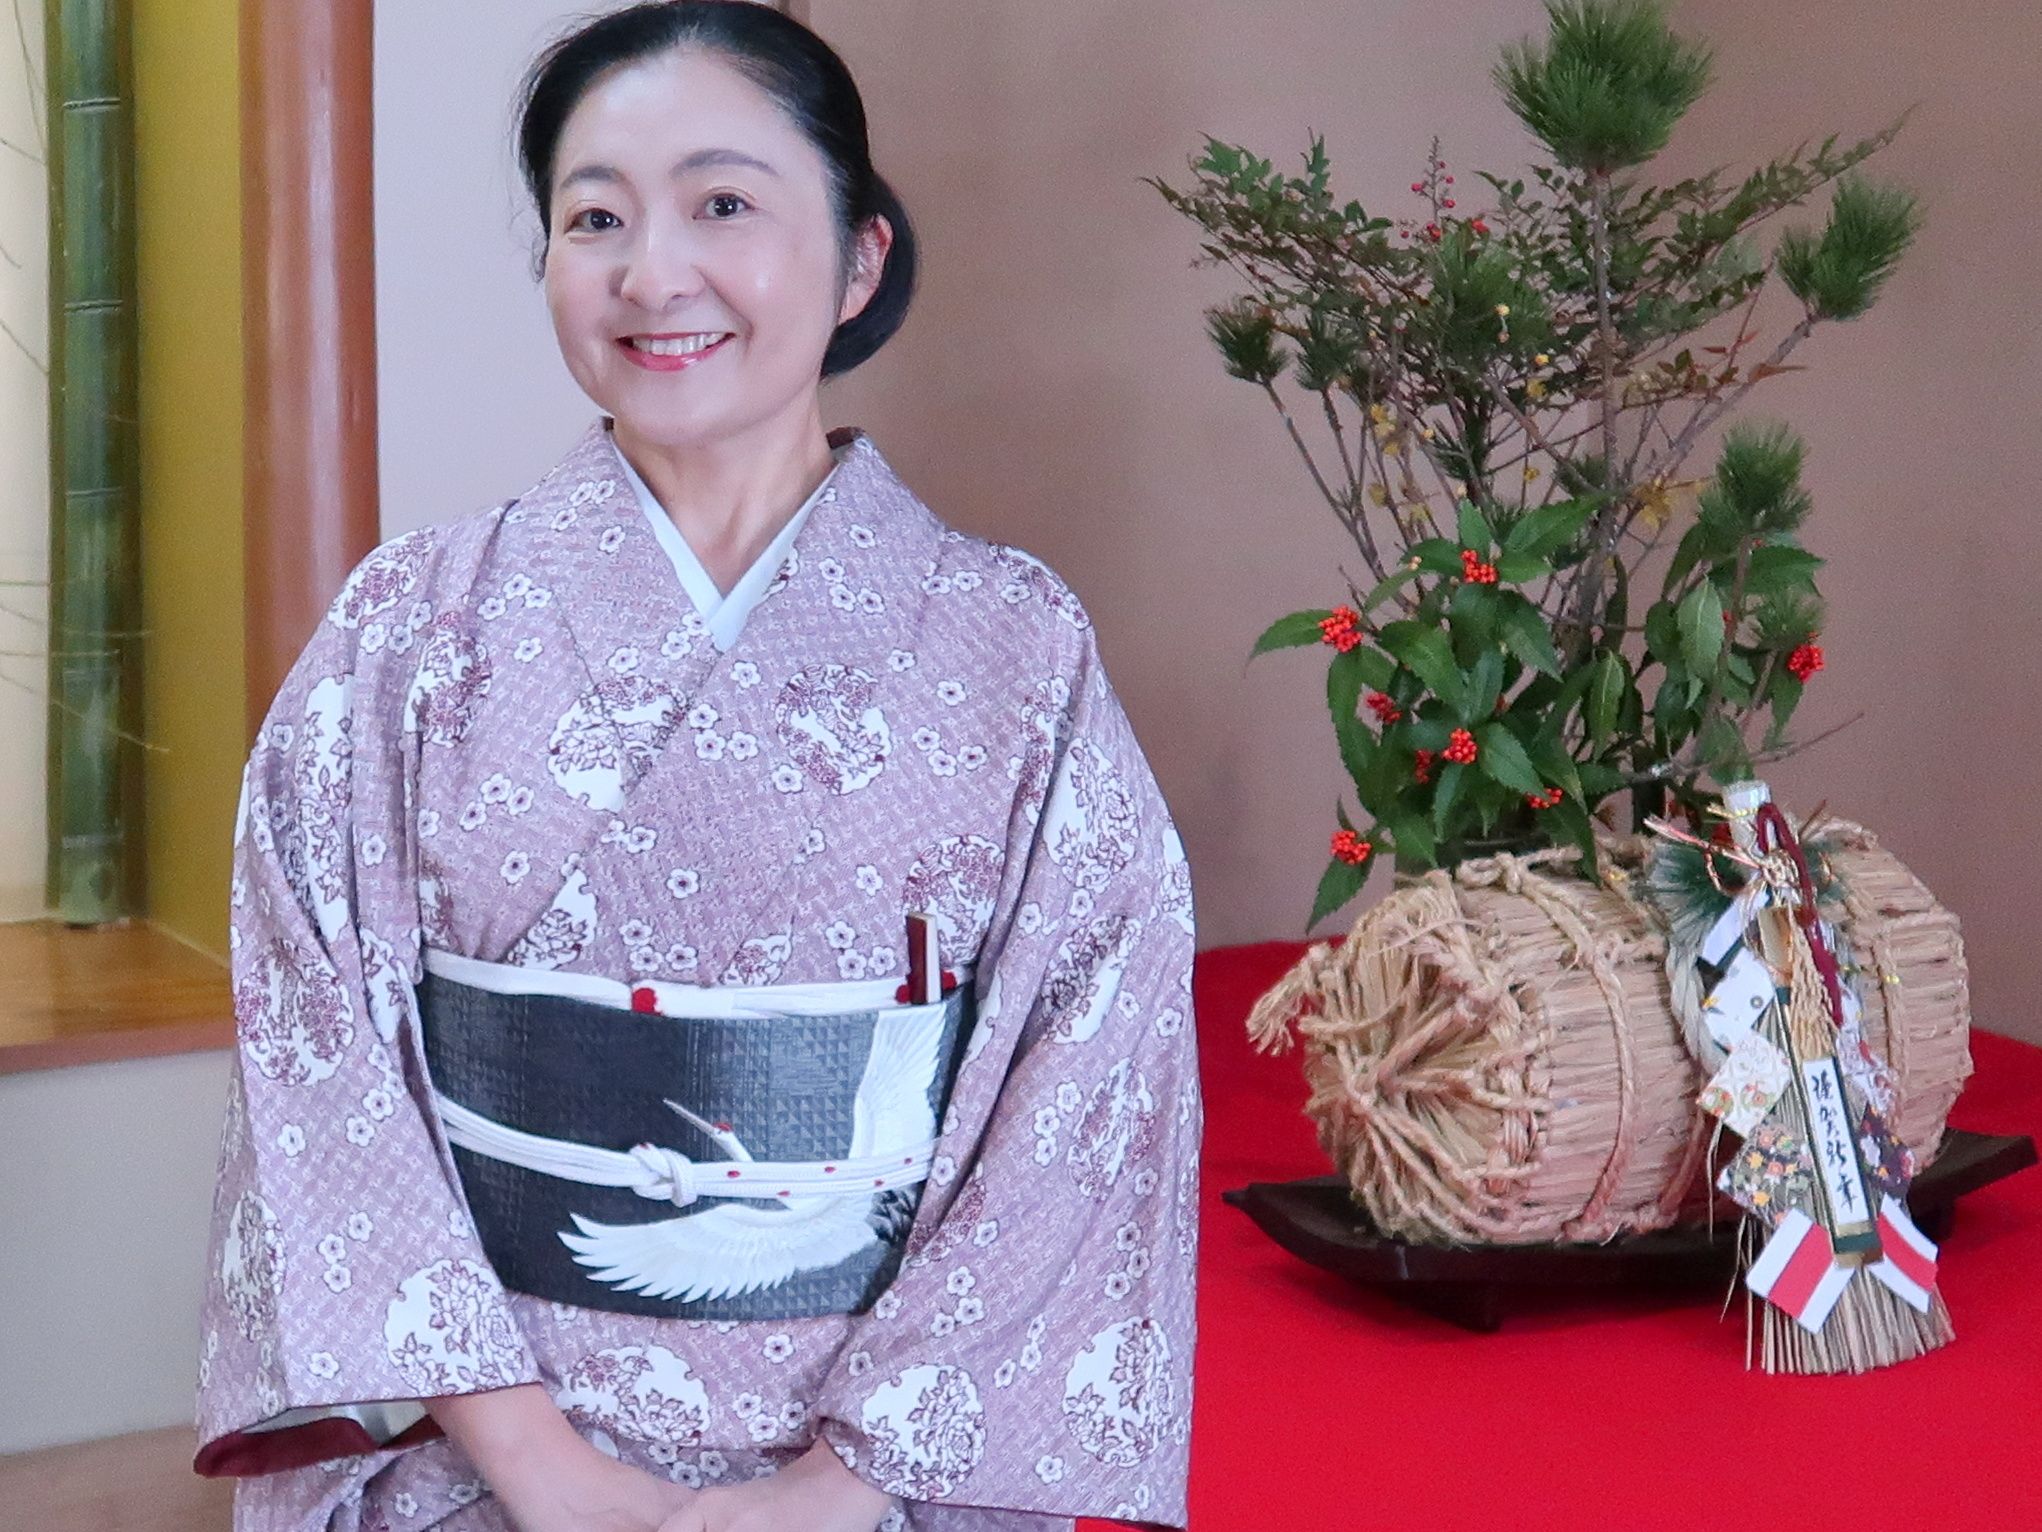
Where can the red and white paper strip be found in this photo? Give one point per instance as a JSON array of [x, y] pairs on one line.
[[1798, 1272], [1910, 1264]]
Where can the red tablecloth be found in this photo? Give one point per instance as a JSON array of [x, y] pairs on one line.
[[1325, 1405]]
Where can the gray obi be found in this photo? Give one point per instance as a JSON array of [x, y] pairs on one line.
[[765, 1163]]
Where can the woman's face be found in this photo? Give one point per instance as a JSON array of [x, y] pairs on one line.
[[691, 266]]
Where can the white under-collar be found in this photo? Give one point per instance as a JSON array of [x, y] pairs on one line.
[[724, 614]]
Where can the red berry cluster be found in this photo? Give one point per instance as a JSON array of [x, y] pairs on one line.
[[1546, 799], [1341, 628], [1350, 847], [1804, 662], [1460, 748], [1474, 570], [1384, 707]]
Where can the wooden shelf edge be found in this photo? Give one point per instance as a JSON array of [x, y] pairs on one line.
[[115, 1045]]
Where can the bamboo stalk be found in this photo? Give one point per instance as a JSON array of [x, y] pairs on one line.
[[94, 865]]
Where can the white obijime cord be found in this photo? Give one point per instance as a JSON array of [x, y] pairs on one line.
[[667, 1175]]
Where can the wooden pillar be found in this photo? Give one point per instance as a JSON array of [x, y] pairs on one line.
[[309, 310]]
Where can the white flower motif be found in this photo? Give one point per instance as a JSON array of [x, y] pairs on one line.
[[960, 1282], [538, 596], [970, 1310], [683, 882], [1049, 1470], [681, 957], [337, 1278], [967, 579], [702, 716], [1117, 1284], [517, 585], [851, 965], [644, 960], [634, 932], [861, 537], [858, 1363], [871, 603], [840, 934], [901, 659], [763, 1428], [943, 763], [624, 661], [887, 1305], [611, 540], [841, 598], [291, 1139], [374, 849], [951, 692], [520, 800], [787, 778], [1127, 1236], [360, 1226], [745, 674], [473, 816], [830, 569], [428, 823], [529, 649], [985, 1232], [323, 1364], [360, 1131], [1003, 1375], [971, 757], [378, 1104], [331, 1248], [941, 1324], [1068, 1097], [515, 866], [1144, 1181], [491, 607], [745, 1406], [709, 747], [464, 1492], [1045, 1150], [867, 878], [779, 1347], [926, 738], [1045, 1119], [1137, 1262], [880, 960], [640, 839]]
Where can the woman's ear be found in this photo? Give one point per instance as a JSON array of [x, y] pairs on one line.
[[868, 261]]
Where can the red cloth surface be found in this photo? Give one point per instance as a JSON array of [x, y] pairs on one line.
[[1323, 1404]]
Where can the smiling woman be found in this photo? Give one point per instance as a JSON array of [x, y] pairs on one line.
[[665, 1100]]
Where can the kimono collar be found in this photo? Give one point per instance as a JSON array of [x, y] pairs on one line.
[[724, 612]]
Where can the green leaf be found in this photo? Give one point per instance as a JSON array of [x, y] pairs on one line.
[[1446, 789], [1344, 680], [1662, 632], [1412, 836], [1426, 653], [1473, 623], [1550, 526], [1388, 586], [1608, 682], [1598, 780], [1440, 555], [1485, 683], [1784, 692], [1556, 765], [1292, 632], [1521, 568], [1474, 528], [1503, 760], [1568, 823], [1340, 882], [1524, 631], [1701, 627]]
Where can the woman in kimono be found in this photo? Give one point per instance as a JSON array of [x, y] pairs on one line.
[[711, 961]]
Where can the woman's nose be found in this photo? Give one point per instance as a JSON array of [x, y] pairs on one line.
[[662, 268]]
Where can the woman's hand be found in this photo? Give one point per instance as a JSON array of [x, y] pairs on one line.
[[814, 1493], [544, 1473]]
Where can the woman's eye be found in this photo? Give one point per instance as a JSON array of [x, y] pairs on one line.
[[721, 199], [576, 221]]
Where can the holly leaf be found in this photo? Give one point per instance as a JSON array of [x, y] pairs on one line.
[[1292, 632], [1539, 532], [1388, 586], [1413, 837], [1446, 789], [1525, 634], [1777, 568], [1474, 528], [1426, 654], [1438, 554], [1503, 759], [1339, 883]]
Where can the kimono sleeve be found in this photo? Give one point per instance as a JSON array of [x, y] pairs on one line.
[[344, 1283], [1034, 1355]]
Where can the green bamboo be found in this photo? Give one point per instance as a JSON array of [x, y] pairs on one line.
[[95, 774]]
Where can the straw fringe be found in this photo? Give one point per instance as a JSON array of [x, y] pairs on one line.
[[1493, 1057]]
